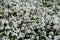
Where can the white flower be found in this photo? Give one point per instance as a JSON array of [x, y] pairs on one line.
[[7, 27], [14, 34], [50, 36], [51, 33], [4, 21], [56, 27], [15, 24], [5, 38], [28, 30], [56, 37], [17, 31], [21, 35], [6, 11]]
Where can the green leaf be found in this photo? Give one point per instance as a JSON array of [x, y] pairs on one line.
[[3, 34], [10, 36], [15, 14], [35, 38], [0, 23], [10, 24]]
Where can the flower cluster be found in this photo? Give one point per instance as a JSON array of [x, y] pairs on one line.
[[30, 19]]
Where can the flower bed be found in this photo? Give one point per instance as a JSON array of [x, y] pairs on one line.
[[30, 19]]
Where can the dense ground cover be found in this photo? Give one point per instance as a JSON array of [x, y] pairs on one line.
[[30, 19]]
